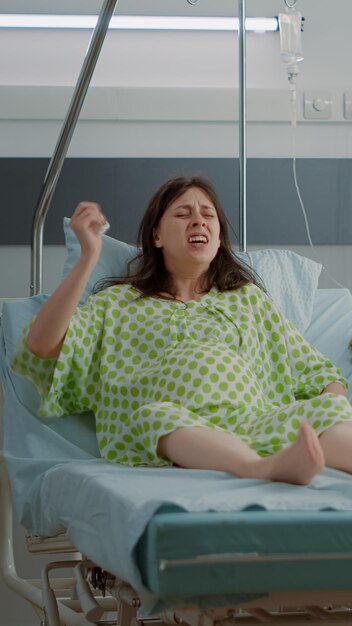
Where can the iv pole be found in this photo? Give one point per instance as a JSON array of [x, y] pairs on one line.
[[58, 158], [70, 121], [242, 123]]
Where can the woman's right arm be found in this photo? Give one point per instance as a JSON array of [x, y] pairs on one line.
[[49, 328]]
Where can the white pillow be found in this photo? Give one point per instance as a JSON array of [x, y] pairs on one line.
[[289, 278]]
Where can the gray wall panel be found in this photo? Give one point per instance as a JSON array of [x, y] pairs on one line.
[[124, 186]]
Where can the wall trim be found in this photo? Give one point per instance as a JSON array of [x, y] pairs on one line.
[[25, 102]]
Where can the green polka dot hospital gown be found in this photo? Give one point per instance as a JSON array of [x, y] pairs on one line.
[[147, 366]]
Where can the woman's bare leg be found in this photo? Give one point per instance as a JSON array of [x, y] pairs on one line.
[[336, 443], [203, 448]]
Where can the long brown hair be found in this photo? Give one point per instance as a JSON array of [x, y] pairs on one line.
[[147, 271]]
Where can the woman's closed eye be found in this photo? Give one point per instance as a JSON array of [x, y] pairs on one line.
[[207, 214]]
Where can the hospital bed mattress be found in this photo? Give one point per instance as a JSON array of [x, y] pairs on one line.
[[134, 521], [246, 552]]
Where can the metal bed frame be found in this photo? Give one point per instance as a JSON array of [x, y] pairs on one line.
[[90, 594]]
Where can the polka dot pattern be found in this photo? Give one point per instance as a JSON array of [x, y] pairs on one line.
[[148, 366]]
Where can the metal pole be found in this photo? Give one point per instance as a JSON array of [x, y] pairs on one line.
[[242, 122], [68, 127]]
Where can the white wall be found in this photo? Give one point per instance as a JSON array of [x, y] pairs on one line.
[[175, 60], [183, 59], [30, 119]]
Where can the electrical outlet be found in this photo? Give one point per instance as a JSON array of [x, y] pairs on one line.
[[317, 105]]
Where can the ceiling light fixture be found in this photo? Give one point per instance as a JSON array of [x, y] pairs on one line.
[[135, 22]]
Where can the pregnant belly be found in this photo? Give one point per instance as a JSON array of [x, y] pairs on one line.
[[197, 376]]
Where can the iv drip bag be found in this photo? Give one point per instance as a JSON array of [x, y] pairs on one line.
[[290, 24]]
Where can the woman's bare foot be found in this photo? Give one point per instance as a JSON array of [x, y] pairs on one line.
[[297, 464]]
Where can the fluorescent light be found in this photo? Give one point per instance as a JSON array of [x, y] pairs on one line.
[[134, 22]]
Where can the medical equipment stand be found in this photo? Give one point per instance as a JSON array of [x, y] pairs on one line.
[[71, 119], [242, 122], [68, 127]]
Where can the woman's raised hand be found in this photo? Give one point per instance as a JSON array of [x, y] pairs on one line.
[[86, 222], [48, 331]]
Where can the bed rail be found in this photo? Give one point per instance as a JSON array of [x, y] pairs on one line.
[[254, 557]]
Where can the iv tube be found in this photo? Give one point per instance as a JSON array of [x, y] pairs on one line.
[[290, 24], [291, 54], [336, 282]]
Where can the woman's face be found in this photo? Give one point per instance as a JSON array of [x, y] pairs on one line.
[[189, 232]]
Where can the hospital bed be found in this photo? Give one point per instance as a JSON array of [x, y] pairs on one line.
[[170, 544]]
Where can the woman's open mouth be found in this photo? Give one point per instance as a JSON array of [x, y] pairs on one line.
[[198, 240]]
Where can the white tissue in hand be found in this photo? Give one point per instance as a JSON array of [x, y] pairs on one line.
[[104, 227]]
